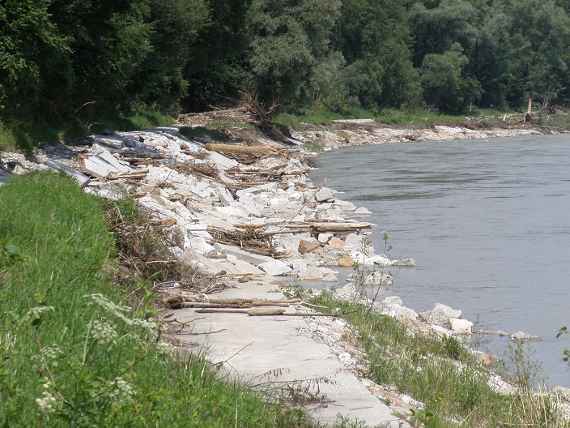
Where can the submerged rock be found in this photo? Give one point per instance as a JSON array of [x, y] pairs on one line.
[[521, 335]]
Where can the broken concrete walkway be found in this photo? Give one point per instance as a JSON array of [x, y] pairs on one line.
[[275, 351]]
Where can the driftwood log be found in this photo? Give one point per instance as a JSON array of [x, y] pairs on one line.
[[262, 312]]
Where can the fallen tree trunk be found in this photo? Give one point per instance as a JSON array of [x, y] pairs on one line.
[[246, 154]]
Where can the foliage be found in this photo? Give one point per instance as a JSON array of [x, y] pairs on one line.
[[445, 86], [442, 374], [289, 39], [65, 63]]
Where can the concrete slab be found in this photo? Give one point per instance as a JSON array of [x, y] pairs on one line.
[[251, 347]]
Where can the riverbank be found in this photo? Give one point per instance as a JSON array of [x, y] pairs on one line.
[[247, 220], [78, 348]]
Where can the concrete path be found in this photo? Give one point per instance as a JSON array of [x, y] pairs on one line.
[[272, 352]]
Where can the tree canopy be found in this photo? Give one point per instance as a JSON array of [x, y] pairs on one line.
[[62, 58]]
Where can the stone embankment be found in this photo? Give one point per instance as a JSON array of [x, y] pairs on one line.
[[247, 216], [244, 212], [346, 133]]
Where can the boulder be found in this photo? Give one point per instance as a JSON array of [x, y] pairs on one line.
[[199, 245], [336, 243], [441, 331], [400, 312], [325, 237], [487, 360], [101, 163], [461, 326], [275, 268], [324, 195], [307, 272], [440, 315], [345, 261], [308, 246]]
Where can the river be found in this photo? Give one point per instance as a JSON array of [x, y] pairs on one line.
[[488, 223]]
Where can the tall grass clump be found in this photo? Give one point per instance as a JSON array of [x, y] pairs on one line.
[[72, 353], [442, 373]]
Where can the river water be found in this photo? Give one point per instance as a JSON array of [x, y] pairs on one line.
[[488, 223]]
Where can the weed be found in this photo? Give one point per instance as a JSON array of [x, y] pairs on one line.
[[441, 373], [73, 352]]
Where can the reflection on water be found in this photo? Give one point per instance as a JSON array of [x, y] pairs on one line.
[[488, 223]]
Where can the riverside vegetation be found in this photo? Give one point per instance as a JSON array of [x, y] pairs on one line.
[[75, 67], [443, 374], [72, 352]]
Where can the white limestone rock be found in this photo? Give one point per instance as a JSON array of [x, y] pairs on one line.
[[461, 326], [441, 315], [400, 312], [323, 238], [324, 195], [275, 268]]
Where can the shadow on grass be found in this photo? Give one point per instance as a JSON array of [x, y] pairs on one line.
[[203, 134], [26, 135]]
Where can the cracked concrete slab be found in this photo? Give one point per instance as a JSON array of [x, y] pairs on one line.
[[272, 351]]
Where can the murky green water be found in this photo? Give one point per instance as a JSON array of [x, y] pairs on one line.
[[488, 223]]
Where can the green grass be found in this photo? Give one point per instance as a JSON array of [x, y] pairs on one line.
[[441, 373], [320, 116], [483, 118], [71, 354], [25, 135]]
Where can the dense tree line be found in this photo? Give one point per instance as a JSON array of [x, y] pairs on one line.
[[60, 58]]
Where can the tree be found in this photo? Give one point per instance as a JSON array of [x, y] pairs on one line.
[[289, 39], [29, 44], [374, 38], [444, 85], [175, 24]]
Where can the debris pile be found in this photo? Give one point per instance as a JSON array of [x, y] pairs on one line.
[[237, 209]]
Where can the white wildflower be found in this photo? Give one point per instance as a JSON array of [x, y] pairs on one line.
[[103, 332], [145, 324], [47, 403], [165, 348], [121, 391], [119, 311], [7, 342], [49, 355], [109, 306], [36, 312]]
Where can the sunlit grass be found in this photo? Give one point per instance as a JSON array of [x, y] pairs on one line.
[[71, 352]]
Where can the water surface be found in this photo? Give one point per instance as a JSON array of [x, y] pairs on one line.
[[488, 223]]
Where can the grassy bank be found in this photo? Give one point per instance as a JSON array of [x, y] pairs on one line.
[[72, 353], [26, 134], [419, 118], [441, 373]]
